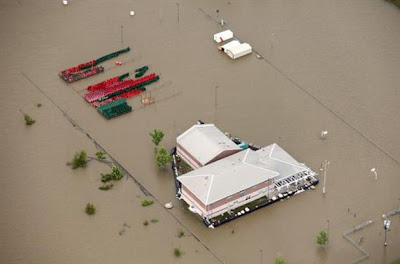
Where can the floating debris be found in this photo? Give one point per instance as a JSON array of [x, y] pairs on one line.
[[169, 205]]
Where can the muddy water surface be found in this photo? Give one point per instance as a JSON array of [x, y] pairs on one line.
[[328, 65]]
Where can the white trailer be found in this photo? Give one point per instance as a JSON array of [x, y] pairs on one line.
[[223, 36], [238, 51]]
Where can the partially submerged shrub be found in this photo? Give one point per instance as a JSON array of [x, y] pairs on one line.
[[154, 220], [106, 187], [106, 177], [39, 105], [90, 209], [181, 233], [29, 120], [100, 155], [145, 223], [322, 238], [79, 160], [147, 203], [279, 261], [177, 252], [116, 174]]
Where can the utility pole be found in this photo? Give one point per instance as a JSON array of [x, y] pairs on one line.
[[327, 242], [122, 35], [326, 163], [386, 226], [262, 257], [177, 10]]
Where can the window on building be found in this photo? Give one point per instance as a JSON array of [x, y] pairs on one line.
[[241, 193], [229, 197]]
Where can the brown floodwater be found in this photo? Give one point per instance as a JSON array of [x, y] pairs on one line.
[[328, 65]]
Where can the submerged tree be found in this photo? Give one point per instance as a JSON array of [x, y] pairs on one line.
[[157, 136], [100, 155], [79, 160], [177, 252], [322, 237], [279, 261], [29, 120], [163, 158], [90, 209]]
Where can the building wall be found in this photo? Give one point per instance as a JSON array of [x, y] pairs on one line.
[[240, 198], [228, 203], [192, 199], [187, 157]]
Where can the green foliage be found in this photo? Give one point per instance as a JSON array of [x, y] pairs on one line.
[[181, 233], [79, 160], [39, 105], [156, 136], [163, 158], [145, 223], [106, 187], [177, 252], [154, 220], [322, 237], [116, 174], [100, 155], [29, 120], [280, 261], [90, 209], [396, 2], [147, 203], [106, 177]]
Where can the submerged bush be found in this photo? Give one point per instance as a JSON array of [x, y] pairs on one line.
[[177, 252], [322, 238], [100, 155], [90, 209], [79, 160], [147, 203], [145, 223], [106, 187], [116, 174], [29, 120], [280, 261], [154, 220], [181, 233]]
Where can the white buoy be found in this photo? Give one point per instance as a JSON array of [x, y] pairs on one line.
[[132, 13], [324, 134], [169, 205], [373, 170], [65, 2]]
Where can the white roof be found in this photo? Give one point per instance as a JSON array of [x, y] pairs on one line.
[[224, 35], [205, 142], [240, 171], [238, 51], [231, 44]]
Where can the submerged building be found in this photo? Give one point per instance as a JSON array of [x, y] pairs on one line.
[[225, 179], [203, 144]]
